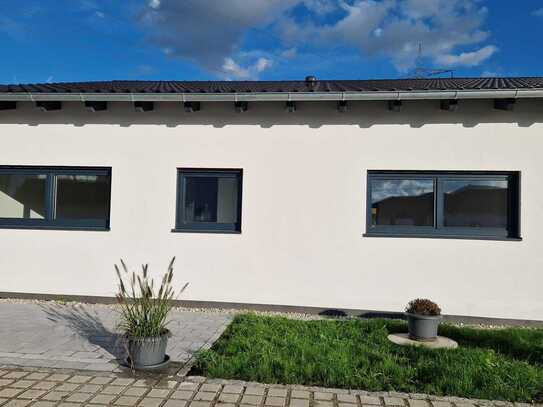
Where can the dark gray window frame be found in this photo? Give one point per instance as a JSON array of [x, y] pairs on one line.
[[512, 231], [206, 227], [50, 195]]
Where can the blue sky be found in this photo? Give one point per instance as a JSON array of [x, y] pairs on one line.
[[76, 40]]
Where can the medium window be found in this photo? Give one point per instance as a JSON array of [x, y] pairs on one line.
[[55, 197], [209, 200], [451, 204]]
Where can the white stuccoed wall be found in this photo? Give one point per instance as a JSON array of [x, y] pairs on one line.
[[304, 197]]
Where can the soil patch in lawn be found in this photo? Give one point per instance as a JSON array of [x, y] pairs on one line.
[[499, 364]]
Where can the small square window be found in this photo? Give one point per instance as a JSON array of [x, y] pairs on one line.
[[209, 200]]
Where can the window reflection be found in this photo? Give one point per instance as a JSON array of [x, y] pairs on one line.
[[406, 202], [211, 199], [82, 197], [481, 203], [22, 196]]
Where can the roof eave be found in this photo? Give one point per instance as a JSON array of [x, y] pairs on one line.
[[274, 96]]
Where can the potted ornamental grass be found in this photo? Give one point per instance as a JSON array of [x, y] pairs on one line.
[[144, 315], [423, 318]]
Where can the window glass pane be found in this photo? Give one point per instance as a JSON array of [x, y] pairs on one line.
[[227, 208], [475, 203], [22, 196], [211, 199], [405, 202], [82, 196]]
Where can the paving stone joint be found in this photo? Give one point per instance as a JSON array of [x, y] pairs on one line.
[[46, 387]]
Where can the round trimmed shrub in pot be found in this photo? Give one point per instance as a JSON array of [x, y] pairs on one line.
[[423, 318], [144, 315]]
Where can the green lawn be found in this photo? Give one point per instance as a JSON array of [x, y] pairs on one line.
[[505, 364]]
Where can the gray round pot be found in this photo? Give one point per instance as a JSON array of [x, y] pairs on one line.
[[422, 327], [147, 352]]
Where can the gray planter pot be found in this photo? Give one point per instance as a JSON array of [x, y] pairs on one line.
[[422, 327], [147, 352]]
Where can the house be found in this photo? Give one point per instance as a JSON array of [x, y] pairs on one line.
[[338, 194]]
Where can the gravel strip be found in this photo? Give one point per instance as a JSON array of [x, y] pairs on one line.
[[230, 311], [227, 311]]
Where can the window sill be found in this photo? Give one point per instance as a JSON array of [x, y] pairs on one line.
[[228, 232], [438, 236], [75, 228]]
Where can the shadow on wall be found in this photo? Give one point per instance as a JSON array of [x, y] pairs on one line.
[[364, 114], [86, 324]]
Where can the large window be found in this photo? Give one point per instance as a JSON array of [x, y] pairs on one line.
[[55, 197], [208, 200], [448, 204]]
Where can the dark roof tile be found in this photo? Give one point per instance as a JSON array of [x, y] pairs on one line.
[[375, 85]]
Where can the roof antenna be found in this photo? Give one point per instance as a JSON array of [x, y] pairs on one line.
[[421, 72]]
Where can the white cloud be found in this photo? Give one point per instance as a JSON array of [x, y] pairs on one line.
[[262, 64], [214, 34], [420, 8], [538, 12], [233, 70], [289, 53], [395, 28], [154, 4], [210, 33], [489, 74], [320, 6], [467, 58]]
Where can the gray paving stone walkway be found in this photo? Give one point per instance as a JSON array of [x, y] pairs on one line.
[[27, 387], [82, 336]]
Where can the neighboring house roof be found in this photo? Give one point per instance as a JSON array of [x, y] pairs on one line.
[[309, 89]]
